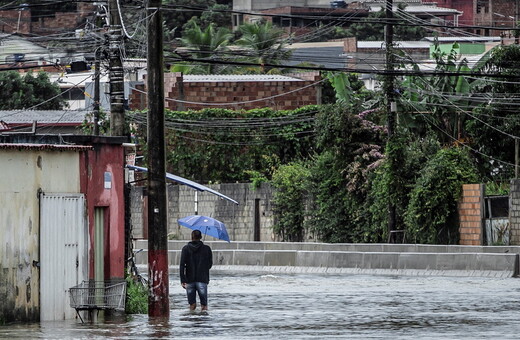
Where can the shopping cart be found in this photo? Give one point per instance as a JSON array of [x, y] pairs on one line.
[[98, 295]]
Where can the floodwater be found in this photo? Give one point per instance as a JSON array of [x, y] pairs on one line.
[[316, 306]]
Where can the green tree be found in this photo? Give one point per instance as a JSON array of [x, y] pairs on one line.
[[496, 121], [205, 45], [264, 44], [369, 29], [438, 102], [289, 199], [349, 148], [413, 153], [431, 216], [219, 145], [217, 14], [182, 11], [344, 88], [24, 92]]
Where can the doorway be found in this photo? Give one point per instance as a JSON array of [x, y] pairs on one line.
[[63, 252]]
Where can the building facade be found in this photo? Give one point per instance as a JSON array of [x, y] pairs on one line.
[[61, 221]]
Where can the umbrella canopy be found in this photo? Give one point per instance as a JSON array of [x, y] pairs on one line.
[[206, 225]]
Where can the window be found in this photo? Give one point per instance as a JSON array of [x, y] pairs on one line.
[[482, 6]]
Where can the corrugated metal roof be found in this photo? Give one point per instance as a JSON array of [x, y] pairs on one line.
[[236, 77], [398, 1], [12, 44], [468, 39], [43, 147], [56, 117], [398, 44], [421, 9]]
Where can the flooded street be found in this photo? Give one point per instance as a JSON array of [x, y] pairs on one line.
[[314, 306]]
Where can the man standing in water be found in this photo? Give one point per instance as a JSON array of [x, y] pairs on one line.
[[196, 260]]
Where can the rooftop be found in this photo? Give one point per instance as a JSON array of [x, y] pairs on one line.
[[398, 44], [422, 10], [465, 38], [236, 78], [43, 147], [55, 117]]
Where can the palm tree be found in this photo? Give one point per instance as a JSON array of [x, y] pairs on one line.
[[265, 44], [205, 45]]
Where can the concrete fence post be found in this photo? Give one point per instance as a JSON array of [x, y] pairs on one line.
[[514, 212]]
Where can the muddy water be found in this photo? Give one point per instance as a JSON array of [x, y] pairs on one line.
[[297, 306]]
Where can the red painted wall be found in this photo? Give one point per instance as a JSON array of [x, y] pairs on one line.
[[465, 6], [94, 164]]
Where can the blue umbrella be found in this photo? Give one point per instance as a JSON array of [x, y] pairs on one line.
[[206, 225]]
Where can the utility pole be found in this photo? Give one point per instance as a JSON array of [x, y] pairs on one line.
[[116, 73], [158, 300], [97, 73], [390, 112]]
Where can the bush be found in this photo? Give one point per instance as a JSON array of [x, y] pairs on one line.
[[136, 297], [432, 216], [291, 184]]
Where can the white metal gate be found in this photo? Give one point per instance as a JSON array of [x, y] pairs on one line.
[[63, 252]]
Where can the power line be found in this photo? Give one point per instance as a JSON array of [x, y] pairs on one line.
[[459, 142], [394, 21], [353, 70], [241, 102]]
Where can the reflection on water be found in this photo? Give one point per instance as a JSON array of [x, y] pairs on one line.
[[296, 306]]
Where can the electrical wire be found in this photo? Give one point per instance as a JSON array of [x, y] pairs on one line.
[[15, 112], [139, 22], [459, 142], [240, 102]]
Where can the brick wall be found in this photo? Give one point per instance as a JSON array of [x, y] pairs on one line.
[[514, 212], [471, 213], [297, 93], [245, 94], [14, 20]]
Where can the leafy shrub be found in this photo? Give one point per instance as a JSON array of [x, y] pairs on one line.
[[411, 155], [136, 297], [291, 184], [431, 216]]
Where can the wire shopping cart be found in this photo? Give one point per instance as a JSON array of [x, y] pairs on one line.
[[98, 295]]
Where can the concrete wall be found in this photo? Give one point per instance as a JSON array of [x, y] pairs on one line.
[[402, 259], [24, 173], [239, 219], [514, 212]]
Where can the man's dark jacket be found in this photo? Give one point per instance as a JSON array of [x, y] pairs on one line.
[[196, 260]]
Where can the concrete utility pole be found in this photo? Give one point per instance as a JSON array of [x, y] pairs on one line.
[[158, 301], [390, 111], [97, 74], [116, 73]]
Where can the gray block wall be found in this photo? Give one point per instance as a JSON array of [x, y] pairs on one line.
[[239, 219], [514, 212]]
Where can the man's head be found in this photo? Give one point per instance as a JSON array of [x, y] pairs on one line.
[[196, 235]]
